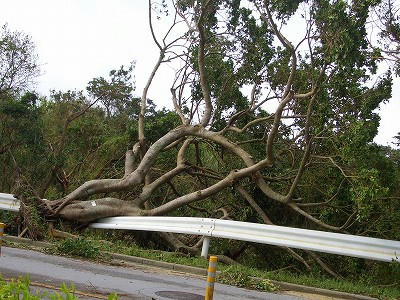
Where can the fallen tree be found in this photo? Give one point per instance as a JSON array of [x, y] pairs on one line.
[[279, 121], [215, 65]]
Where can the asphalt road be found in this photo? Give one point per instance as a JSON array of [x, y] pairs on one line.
[[129, 282]]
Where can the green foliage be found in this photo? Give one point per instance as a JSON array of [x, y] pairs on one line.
[[77, 247], [20, 290], [242, 277], [285, 9], [116, 93], [15, 290], [22, 136], [365, 192], [11, 220], [343, 31], [18, 62], [67, 293]]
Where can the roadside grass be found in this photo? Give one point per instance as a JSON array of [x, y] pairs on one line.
[[134, 250], [75, 247], [244, 277]]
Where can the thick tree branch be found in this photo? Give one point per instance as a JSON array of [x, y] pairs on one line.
[[180, 167], [204, 193], [130, 157]]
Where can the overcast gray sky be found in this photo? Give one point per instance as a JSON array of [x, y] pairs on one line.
[[78, 40]]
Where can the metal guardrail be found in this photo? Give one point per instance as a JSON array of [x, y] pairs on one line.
[[8, 202], [321, 241]]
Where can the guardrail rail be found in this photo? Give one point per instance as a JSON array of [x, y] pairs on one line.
[[321, 241]]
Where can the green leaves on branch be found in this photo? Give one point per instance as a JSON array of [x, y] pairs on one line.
[[366, 190]]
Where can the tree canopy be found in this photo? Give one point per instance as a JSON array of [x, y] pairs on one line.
[[18, 61]]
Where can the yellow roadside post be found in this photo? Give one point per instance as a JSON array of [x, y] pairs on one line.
[[1, 234], [212, 269]]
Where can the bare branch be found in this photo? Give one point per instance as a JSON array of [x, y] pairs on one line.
[[202, 69], [151, 28]]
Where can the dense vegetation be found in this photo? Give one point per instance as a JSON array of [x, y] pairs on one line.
[[223, 152]]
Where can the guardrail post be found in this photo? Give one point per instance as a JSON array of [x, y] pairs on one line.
[[212, 270], [206, 245], [1, 234]]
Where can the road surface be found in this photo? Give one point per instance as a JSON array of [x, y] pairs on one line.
[[129, 282]]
